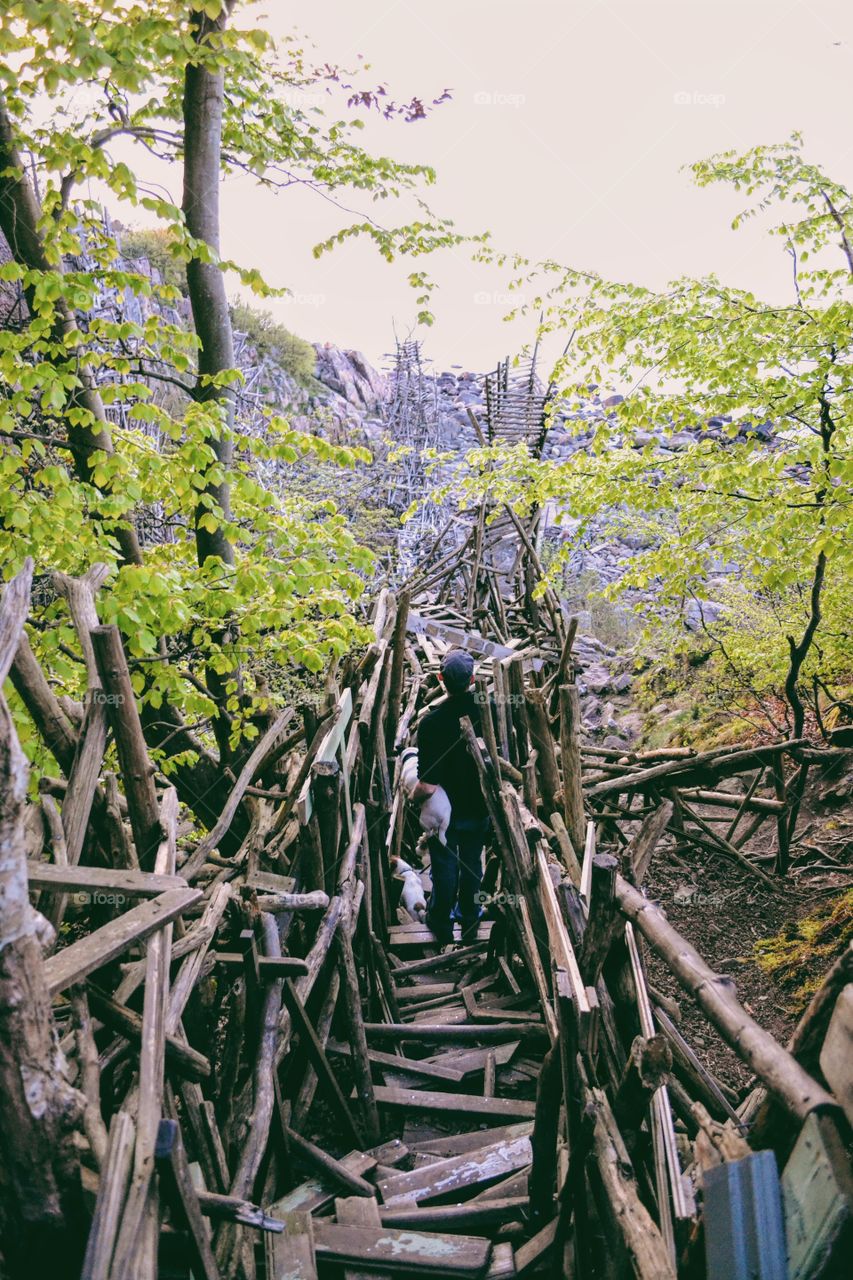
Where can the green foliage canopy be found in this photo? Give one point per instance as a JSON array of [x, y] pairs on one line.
[[76, 374], [779, 513]]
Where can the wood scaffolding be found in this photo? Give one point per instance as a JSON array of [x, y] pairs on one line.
[[258, 1064]]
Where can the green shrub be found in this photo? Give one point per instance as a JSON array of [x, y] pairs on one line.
[[296, 356], [154, 245]]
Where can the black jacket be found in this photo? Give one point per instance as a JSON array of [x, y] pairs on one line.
[[444, 758]]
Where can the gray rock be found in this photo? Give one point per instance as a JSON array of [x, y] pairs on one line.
[[597, 679], [701, 612]]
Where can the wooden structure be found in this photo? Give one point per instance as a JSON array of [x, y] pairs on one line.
[[523, 1105]]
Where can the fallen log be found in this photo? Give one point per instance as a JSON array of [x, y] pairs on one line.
[[714, 993], [711, 761]]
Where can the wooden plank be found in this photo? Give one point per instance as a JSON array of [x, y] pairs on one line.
[[817, 1198], [428, 963], [99, 948], [312, 1045], [467, 1104], [139, 1222], [562, 951], [535, 1249], [473, 1169], [326, 752], [111, 1192], [114, 881], [411, 1066], [180, 1056], [836, 1056], [399, 1250], [421, 627], [473, 1215], [314, 1194], [290, 1255], [447, 1033], [454, 1144], [418, 935], [270, 882], [357, 1211], [251, 769], [473, 1061]]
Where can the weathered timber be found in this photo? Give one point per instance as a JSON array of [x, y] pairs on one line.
[[116, 883], [717, 762], [393, 1249], [790, 1084], [445, 1178], [620, 1202], [251, 770], [467, 1104], [570, 761], [180, 1057], [81, 958]]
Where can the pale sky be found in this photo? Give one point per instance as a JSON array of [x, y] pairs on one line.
[[567, 128]]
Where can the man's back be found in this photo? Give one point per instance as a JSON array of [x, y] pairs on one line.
[[444, 758]]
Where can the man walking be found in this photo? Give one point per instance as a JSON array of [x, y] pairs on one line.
[[444, 760]]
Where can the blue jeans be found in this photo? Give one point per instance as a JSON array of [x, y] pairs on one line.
[[457, 871]]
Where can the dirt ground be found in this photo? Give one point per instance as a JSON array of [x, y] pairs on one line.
[[724, 911]]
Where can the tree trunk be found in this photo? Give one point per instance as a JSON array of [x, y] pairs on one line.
[[19, 219], [204, 91], [41, 1210]]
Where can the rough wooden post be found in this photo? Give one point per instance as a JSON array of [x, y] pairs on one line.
[[136, 769], [518, 709], [326, 784], [358, 1039], [543, 743], [599, 933], [543, 1172], [83, 779], [570, 725], [398, 656], [648, 1067], [41, 1210]]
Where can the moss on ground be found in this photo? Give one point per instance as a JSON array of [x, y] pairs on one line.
[[799, 956]]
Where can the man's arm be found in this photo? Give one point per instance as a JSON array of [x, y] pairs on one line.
[[428, 761]]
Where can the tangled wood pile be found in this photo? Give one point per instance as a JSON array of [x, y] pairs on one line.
[[258, 1064]]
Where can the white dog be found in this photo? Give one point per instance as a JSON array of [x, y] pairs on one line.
[[435, 812], [412, 897]]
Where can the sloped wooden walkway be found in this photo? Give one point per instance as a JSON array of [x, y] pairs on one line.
[[278, 1073]]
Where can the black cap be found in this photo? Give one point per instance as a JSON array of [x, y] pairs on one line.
[[457, 670]]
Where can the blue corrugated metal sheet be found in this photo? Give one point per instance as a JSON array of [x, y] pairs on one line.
[[744, 1230]]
